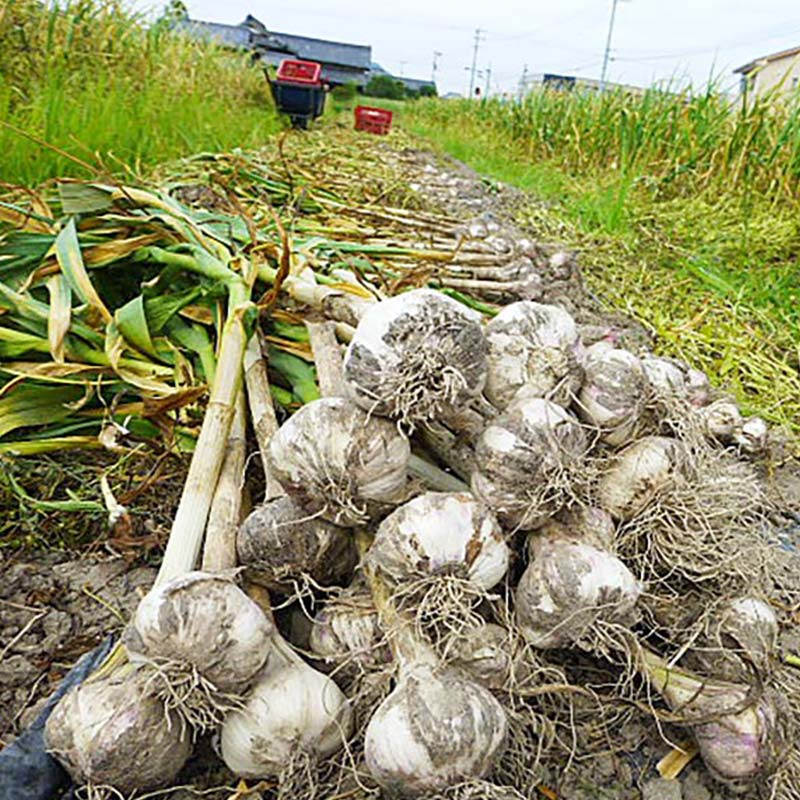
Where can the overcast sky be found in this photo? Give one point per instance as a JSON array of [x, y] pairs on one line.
[[653, 39]]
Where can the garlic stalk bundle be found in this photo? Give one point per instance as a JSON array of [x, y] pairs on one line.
[[280, 543], [568, 588], [112, 731], [340, 463], [435, 730], [613, 394], [525, 460], [739, 731], [203, 623], [437, 533], [637, 474], [416, 357], [533, 352], [292, 711]]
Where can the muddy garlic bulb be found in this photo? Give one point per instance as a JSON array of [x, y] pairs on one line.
[[291, 711], [743, 739], [112, 731], [533, 352], [588, 524], [638, 474], [665, 376], [435, 730], [484, 654], [340, 463], [613, 394], [721, 420], [524, 461], [280, 542], [205, 622], [440, 532], [416, 357], [568, 588]]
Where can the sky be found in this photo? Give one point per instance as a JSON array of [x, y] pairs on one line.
[[653, 40]]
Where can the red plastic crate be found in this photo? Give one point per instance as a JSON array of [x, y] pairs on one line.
[[373, 120], [306, 72]]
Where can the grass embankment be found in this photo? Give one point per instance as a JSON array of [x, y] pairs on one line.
[[685, 210], [91, 79]]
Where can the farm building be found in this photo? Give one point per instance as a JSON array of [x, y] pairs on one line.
[[342, 62], [779, 71]]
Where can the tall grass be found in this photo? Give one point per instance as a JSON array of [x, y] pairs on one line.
[[686, 210], [91, 79]]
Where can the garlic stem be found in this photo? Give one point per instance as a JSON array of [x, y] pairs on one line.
[[219, 549], [434, 477], [327, 358]]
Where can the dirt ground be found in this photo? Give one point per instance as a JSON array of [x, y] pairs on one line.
[[56, 606]]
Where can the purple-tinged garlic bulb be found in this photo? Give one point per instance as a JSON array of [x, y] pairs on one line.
[[638, 474], [338, 462], [525, 459], [281, 543], [533, 352], [437, 533], [112, 731], [416, 357], [613, 394], [569, 588]]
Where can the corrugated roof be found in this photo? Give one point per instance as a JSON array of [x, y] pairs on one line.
[[358, 56], [759, 62]]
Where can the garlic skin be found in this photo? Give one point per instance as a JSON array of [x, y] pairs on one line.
[[532, 353], [637, 474], [435, 730], [340, 463], [588, 524], [112, 731], [613, 393], [441, 531], [279, 543], [568, 587], [206, 622], [521, 455], [416, 357], [291, 709]]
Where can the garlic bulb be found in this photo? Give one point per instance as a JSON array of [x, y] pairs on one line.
[[532, 353], [485, 654], [665, 376], [637, 474], [207, 623], [698, 387], [752, 437], [112, 731], [588, 524], [568, 588], [721, 420], [438, 532], [524, 459], [339, 462], [280, 543], [435, 730], [292, 709], [347, 632], [613, 394], [416, 357], [744, 739]]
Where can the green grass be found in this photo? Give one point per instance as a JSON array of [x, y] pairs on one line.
[[90, 79], [686, 213]]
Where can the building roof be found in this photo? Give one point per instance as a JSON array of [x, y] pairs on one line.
[[358, 56], [229, 35], [415, 84], [760, 62]]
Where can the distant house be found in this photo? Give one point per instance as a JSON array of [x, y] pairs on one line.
[[779, 71], [342, 62], [412, 84], [572, 83]]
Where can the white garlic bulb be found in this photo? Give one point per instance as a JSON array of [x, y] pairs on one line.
[[589, 524], [112, 731], [721, 420], [523, 459], [206, 622], [292, 709], [613, 394], [665, 376], [439, 532], [752, 437], [339, 462], [435, 730], [533, 352], [638, 474], [416, 357], [568, 588], [280, 542]]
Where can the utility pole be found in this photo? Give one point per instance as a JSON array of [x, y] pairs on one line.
[[488, 79], [403, 67], [523, 82], [607, 54], [436, 56], [478, 35]]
